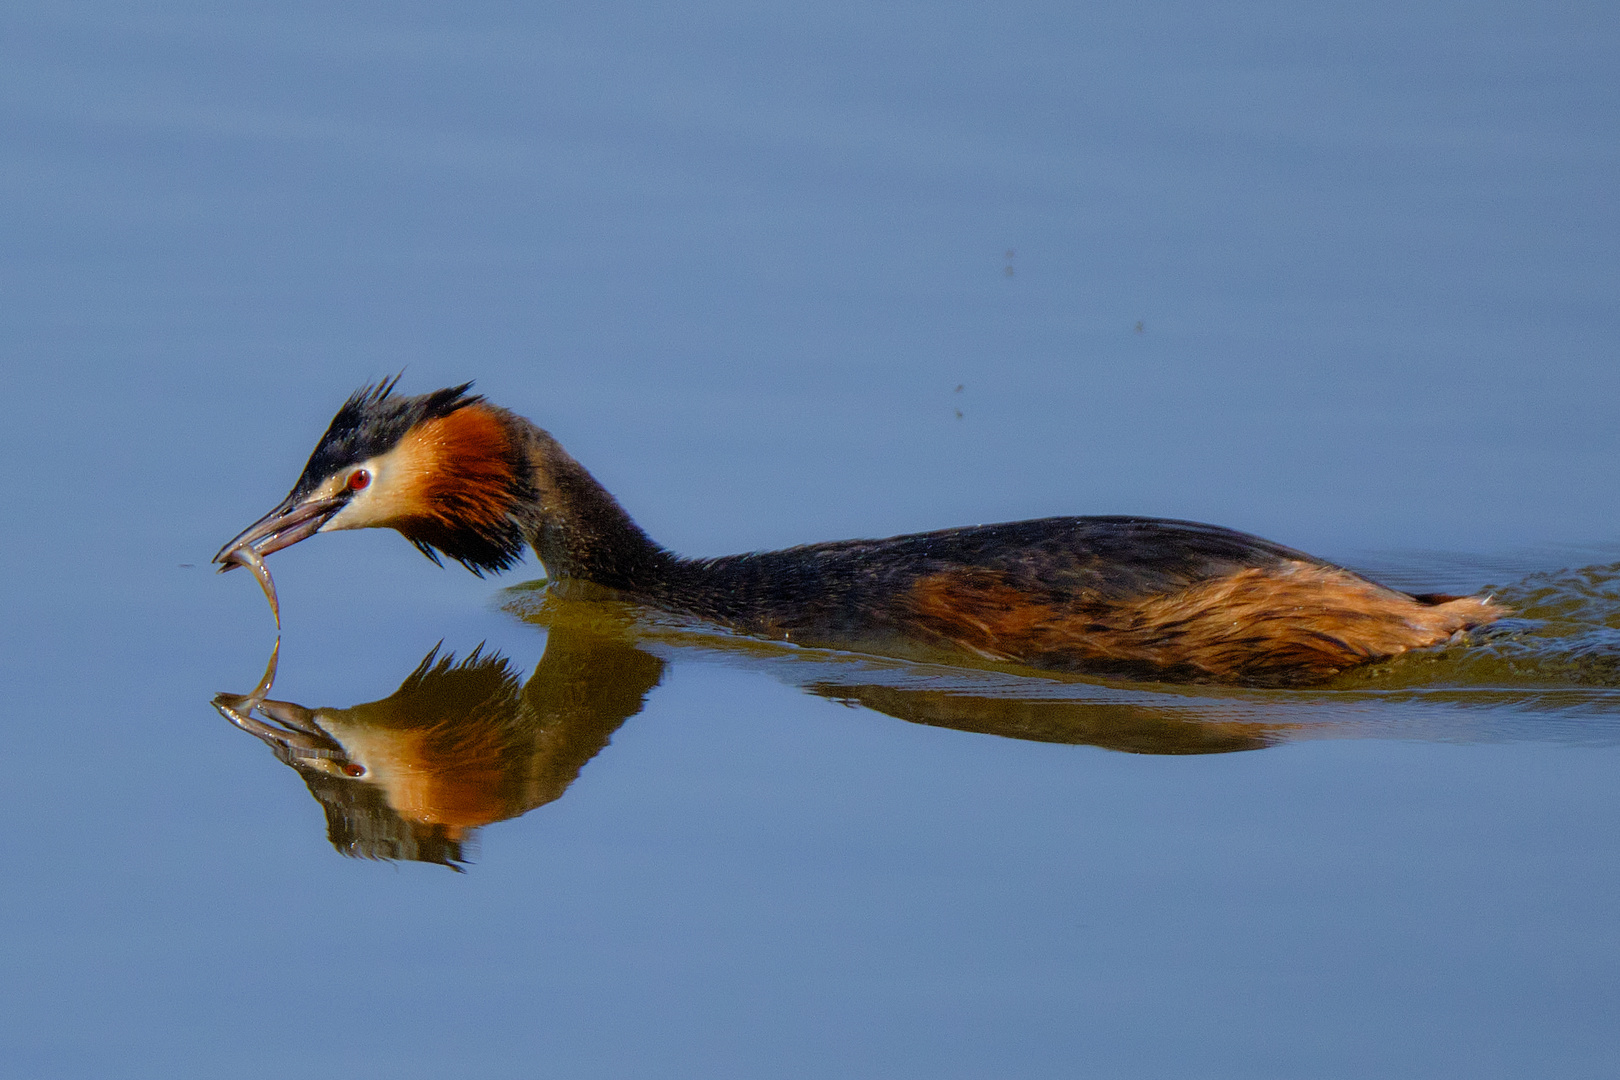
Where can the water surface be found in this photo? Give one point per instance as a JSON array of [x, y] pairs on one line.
[[1341, 278]]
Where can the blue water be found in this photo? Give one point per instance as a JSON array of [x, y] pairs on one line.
[[1342, 277]]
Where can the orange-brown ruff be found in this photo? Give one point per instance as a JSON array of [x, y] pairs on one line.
[[1137, 597], [464, 467]]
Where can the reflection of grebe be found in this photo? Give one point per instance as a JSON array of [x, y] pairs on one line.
[[462, 745], [1134, 596], [458, 745]]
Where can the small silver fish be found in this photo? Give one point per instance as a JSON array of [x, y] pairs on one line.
[[246, 556]]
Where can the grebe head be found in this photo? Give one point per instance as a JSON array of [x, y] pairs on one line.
[[444, 469]]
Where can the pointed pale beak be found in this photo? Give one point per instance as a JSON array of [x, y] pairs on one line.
[[282, 527]]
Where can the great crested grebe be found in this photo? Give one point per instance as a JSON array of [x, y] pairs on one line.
[[1136, 597]]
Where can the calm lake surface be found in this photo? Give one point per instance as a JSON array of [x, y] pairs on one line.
[[1344, 277]]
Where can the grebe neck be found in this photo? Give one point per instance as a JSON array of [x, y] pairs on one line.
[[580, 531]]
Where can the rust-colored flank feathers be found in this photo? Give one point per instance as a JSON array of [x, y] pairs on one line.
[[1135, 597], [1295, 623]]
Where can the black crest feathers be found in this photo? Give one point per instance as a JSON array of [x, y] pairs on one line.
[[371, 422]]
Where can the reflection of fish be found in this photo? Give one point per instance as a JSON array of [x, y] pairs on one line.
[[1133, 596], [457, 746]]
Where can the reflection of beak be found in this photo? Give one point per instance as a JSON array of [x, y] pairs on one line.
[[299, 737], [282, 527]]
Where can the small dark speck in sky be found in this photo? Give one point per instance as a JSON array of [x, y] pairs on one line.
[[188, 566], [1141, 327]]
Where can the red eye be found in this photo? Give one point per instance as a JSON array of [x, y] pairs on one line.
[[351, 769], [359, 479]]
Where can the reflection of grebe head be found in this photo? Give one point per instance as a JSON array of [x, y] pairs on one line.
[[361, 824], [422, 768], [444, 468], [459, 745]]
